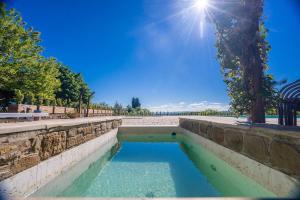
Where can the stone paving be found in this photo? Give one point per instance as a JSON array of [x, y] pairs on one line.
[[153, 120], [174, 120], [32, 125]]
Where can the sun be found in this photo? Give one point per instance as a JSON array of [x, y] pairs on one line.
[[201, 5]]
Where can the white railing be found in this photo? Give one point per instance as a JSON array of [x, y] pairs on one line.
[[22, 115]]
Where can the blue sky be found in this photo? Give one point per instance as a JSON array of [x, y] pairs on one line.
[[127, 48]]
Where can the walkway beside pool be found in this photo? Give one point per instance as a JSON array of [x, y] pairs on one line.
[[174, 120], [126, 120]]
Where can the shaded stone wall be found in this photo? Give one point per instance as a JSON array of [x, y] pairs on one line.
[[278, 149], [24, 149]]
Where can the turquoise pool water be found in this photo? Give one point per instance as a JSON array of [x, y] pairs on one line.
[[157, 166]]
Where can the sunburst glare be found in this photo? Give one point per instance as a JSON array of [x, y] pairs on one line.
[[201, 5], [190, 16]]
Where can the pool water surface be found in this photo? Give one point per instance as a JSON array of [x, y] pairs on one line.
[[157, 166]]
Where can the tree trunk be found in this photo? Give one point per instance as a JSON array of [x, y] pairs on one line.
[[251, 62], [80, 102]]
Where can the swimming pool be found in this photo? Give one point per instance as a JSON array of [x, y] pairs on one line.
[[154, 165]]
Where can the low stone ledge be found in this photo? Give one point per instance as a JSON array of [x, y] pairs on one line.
[[6, 129], [25, 148], [271, 146]]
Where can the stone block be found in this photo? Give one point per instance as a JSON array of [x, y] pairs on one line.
[[59, 142], [36, 143], [79, 139], [183, 123], [119, 122], [72, 132], [87, 130], [7, 148], [103, 127], [193, 127], [97, 131], [218, 135], [52, 144], [89, 137], [5, 172], [8, 152], [285, 156], [233, 140], [115, 124], [108, 126], [203, 129], [80, 130], [209, 132], [25, 162], [23, 146], [257, 147], [71, 141]]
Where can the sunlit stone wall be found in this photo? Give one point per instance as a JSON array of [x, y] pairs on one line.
[[23, 149], [274, 146]]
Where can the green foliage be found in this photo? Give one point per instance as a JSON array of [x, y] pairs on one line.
[[133, 110], [135, 103], [243, 54], [118, 108], [26, 75], [101, 106], [71, 84], [19, 96], [22, 67]]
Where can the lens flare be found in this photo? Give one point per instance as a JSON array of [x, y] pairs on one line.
[[201, 5]]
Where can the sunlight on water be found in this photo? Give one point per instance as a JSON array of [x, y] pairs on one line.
[[176, 167]]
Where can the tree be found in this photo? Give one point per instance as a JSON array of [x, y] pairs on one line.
[[129, 109], [118, 108], [22, 68], [135, 103], [45, 82], [89, 102], [72, 85], [69, 90], [243, 54], [19, 96], [84, 88]]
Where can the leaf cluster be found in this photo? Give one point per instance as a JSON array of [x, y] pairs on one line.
[[235, 39], [26, 76]]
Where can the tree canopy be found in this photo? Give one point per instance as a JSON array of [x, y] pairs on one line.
[[26, 76], [72, 84], [135, 102], [242, 50], [24, 72]]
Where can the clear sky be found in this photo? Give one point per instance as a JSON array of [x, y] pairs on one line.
[[127, 48]]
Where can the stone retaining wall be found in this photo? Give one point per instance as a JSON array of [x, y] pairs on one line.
[[23, 149], [278, 149]]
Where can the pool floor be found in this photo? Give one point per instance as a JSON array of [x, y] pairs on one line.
[[161, 169]]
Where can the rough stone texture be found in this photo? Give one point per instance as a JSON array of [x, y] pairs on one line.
[[276, 148], [103, 127], [72, 132], [217, 135], [234, 140], [257, 147], [24, 162], [52, 144], [22, 150], [5, 172], [285, 156], [204, 129]]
